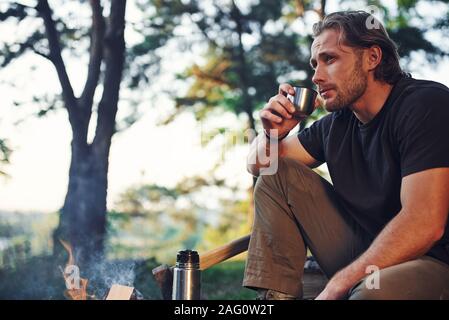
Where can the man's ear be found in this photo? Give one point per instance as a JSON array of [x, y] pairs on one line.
[[374, 57]]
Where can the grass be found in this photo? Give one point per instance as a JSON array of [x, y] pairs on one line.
[[224, 282]]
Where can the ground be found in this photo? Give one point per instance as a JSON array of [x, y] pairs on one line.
[[41, 278]]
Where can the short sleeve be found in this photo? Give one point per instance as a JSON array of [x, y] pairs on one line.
[[313, 138], [423, 131]]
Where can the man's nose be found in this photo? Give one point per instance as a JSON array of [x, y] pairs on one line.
[[318, 76]]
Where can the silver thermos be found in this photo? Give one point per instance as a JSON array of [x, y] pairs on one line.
[[187, 276]]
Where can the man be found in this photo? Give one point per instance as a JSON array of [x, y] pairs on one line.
[[385, 143]]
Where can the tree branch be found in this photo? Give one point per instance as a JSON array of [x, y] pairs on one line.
[[55, 56], [114, 62], [96, 55], [204, 32], [9, 56], [46, 56], [16, 10], [322, 11]]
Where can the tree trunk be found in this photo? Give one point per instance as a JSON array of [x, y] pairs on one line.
[[83, 216]]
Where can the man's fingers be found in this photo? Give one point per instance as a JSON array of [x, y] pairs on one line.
[[278, 109], [282, 105], [285, 88], [266, 114]]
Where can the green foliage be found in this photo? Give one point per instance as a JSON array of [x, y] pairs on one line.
[[233, 222], [24, 235], [153, 227], [411, 39], [36, 278], [157, 221], [241, 76], [407, 4], [236, 76], [224, 282]]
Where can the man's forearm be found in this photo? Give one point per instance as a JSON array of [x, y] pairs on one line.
[[406, 237], [410, 234]]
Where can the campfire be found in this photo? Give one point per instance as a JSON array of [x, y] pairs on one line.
[[76, 287]]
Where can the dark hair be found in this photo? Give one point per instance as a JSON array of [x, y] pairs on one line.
[[360, 29]]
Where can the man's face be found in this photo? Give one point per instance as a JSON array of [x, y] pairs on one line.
[[339, 72]]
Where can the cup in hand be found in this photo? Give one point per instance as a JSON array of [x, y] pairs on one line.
[[303, 101]]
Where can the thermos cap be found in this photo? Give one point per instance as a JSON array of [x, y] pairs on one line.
[[188, 256]]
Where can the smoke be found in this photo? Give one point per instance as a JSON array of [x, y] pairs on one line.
[[104, 274]]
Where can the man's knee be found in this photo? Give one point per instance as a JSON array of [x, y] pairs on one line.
[[285, 169], [388, 291], [420, 279], [364, 292]]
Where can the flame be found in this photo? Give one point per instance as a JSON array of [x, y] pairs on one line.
[[76, 286], [69, 250]]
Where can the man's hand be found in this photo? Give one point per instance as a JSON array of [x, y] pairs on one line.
[[337, 288], [278, 112], [331, 293]]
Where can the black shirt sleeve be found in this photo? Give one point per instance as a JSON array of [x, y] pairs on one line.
[[423, 131], [314, 137]]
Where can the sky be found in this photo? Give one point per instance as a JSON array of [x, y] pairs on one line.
[[141, 154]]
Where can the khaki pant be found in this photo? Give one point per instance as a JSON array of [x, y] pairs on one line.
[[296, 209]]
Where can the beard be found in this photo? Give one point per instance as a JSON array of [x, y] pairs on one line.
[[354, 89]]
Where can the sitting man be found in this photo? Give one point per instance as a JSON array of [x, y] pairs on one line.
[[385, 142]]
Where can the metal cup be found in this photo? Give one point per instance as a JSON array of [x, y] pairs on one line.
[[303, 101]]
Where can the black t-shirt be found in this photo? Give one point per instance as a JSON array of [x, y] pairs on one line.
[[367, 161]]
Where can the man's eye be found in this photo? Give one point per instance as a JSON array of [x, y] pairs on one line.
[[329, 59]]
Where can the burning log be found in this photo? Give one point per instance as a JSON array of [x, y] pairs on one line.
[[78, 294], [76, 286]]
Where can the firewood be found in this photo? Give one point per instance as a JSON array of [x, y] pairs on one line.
[[119, 292]]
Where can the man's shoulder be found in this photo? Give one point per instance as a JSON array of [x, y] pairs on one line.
[[325, 120], [414, 96], [418, 88]]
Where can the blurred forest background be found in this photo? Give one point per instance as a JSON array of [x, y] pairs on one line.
[[217, 61]]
